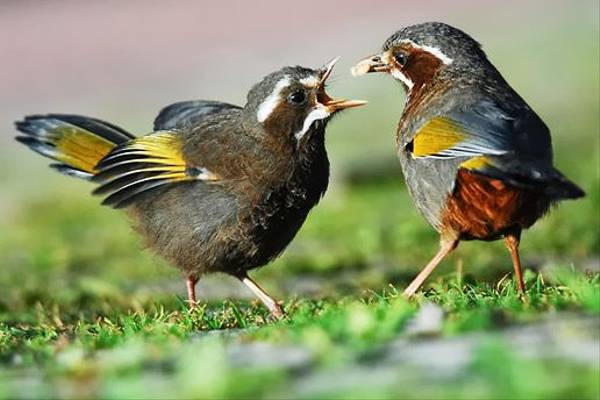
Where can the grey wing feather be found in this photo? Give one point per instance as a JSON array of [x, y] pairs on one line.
[[489, 131], [187, 113], [493, 131], [518, 145]]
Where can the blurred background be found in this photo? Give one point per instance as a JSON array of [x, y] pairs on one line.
[[123, 61], [86, 311]]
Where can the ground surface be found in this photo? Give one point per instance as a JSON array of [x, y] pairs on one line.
[[85, 311]]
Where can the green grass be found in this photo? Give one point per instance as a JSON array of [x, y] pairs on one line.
[[113, 351], [86, 312]]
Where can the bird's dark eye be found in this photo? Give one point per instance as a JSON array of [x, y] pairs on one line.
[[401, 57], [297, 98]]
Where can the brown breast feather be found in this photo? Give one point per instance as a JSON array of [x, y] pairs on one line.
[[484, 208]]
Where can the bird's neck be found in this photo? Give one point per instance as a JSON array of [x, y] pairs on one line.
[[418, 98]]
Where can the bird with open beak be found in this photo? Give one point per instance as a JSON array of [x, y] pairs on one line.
[[215, 187], [476, 158]]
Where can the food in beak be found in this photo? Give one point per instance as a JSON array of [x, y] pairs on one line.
[[370, 64]]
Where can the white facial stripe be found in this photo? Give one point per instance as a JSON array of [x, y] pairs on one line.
[[316, 114], [268, 105], [310, 81], [400, 76], [431, 50]]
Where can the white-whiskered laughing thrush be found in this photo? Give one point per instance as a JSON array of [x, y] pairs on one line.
[[476, 158]]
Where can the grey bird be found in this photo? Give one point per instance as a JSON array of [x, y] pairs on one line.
[[476, 158]]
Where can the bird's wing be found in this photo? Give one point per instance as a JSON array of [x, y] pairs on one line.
[[470, 132], [187, 113], [511, 146], [488, 138], [144, 164]]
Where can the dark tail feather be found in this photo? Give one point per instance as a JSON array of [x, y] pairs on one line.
[[78, 143], [530, 175], [70, 171], [562, 189]]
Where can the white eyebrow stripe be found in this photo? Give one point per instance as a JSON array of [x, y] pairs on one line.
[[310, 81], [268, 105], [431, 50], [315, 115]]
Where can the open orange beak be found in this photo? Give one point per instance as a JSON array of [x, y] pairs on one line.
[[323, 98]]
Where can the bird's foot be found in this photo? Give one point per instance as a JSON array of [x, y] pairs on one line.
[[277, 313]]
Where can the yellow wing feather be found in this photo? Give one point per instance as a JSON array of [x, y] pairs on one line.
[[476, 163], [144, 164], [438, 134]]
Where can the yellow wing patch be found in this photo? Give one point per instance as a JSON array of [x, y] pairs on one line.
[[145, 164], [474, 163], [162, 149], [437, 135]]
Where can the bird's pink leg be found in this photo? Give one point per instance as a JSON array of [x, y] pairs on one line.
[[446, 247], [191, 291], [267, 300], [512, 241]]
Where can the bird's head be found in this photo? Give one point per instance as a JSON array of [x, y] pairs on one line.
[[292, 102], [418, 54]]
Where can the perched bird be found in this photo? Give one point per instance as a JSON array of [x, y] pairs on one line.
[[476, 158], [215, 187]]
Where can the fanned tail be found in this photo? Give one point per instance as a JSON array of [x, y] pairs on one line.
[[77, 143]]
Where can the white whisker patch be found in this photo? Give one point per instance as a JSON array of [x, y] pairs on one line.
[[316, 114], [431, 50], [270, 103], [400, 76], [310, 81]]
